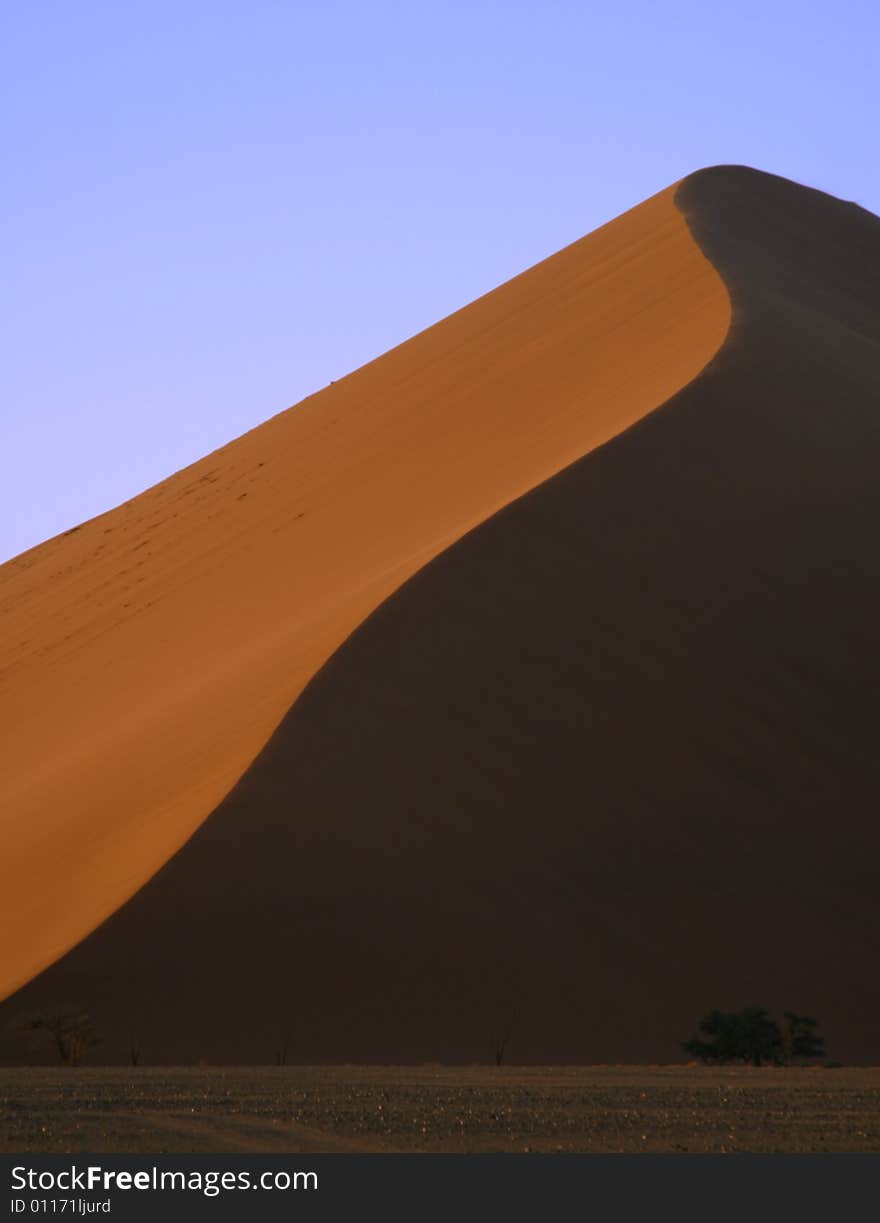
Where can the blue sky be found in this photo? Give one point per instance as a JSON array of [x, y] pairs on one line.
[[210, 209]]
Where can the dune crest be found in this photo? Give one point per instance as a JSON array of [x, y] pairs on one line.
[[147, 656], [606, 761]]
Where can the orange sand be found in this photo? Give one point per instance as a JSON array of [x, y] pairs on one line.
[[146, 656]]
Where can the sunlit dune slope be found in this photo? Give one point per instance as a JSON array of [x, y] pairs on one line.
[[147, 656], [607, 761]]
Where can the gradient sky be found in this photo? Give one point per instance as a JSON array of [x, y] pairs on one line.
[[210, 209]]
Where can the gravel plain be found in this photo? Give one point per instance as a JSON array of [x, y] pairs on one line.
[[316, 1109]]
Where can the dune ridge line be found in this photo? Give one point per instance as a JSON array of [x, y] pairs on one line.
[[147, 656], [606, 761]]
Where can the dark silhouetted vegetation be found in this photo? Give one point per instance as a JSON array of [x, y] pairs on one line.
[[69, 1027], [754, 1037], [501, 1039], [800, 1039], [134, 1048], [283, 1048]]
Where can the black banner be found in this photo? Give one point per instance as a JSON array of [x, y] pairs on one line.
[[460, 1187]]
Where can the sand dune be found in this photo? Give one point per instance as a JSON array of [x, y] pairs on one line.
[[606, 758], [147, 656]]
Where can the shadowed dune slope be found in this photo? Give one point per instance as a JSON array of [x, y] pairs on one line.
[[147, 656], [605, 762]]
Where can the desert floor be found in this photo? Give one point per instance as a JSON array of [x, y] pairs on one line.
[[321, 1109]]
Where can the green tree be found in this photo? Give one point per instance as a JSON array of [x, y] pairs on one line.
[[750, 1035], [800, 1038]]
